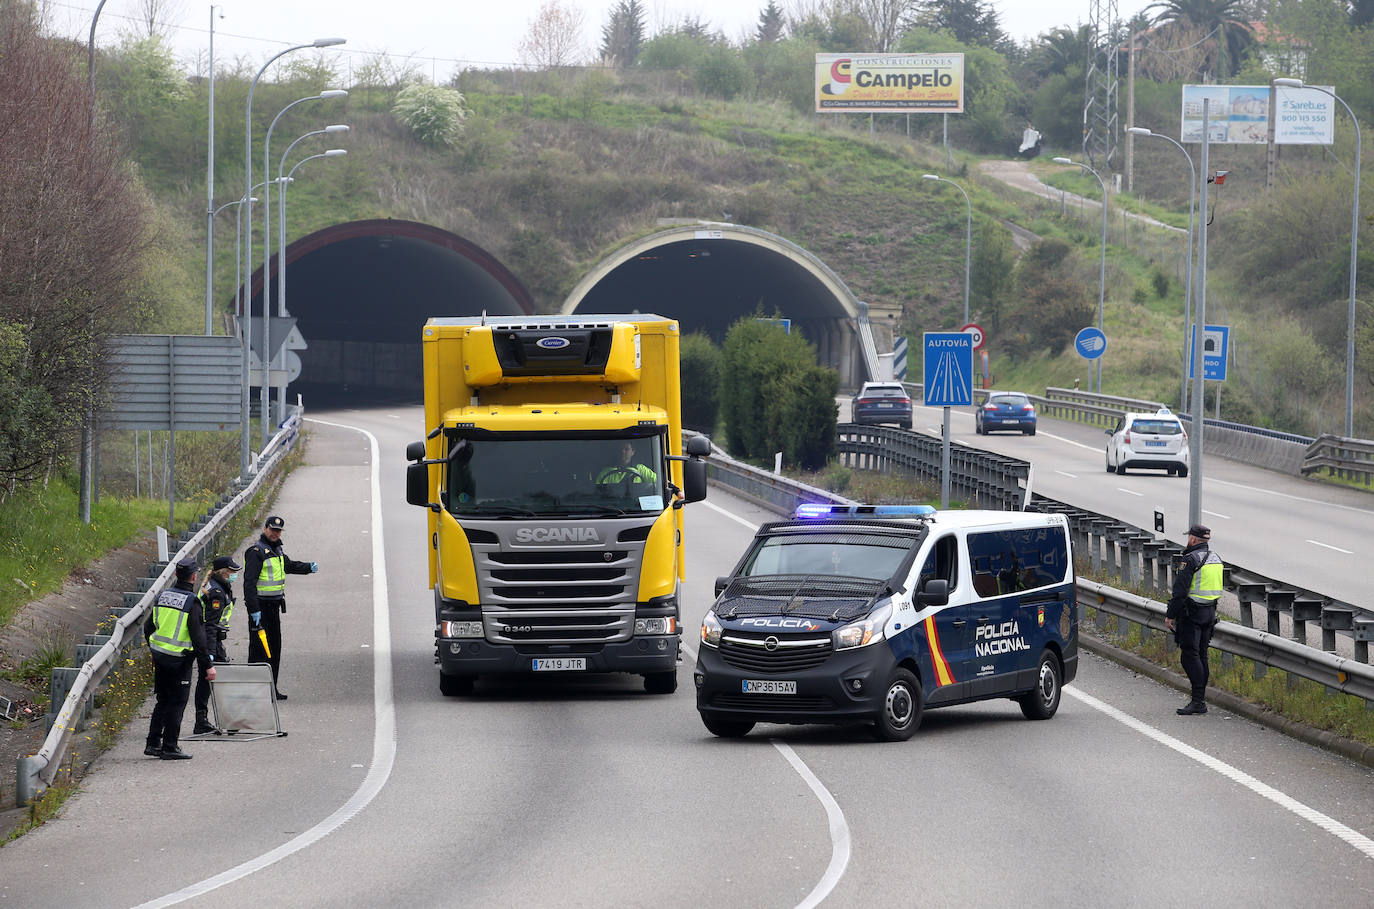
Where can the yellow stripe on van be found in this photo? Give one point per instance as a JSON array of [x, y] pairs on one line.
[[937, 657]]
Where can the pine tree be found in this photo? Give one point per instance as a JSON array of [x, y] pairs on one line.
[[770, 23], [623, 34]]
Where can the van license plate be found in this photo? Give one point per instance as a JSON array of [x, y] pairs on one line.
[[767, 686], [560, 664]]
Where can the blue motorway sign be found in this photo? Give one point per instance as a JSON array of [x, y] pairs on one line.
[[1216, 341], [1090, 343], [948, 369]]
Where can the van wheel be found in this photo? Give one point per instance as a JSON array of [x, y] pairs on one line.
[[727, 729], [660, 682], [452, 686], [900, 714], [1043, 701]]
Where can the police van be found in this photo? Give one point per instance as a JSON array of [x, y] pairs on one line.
[[871, 614]]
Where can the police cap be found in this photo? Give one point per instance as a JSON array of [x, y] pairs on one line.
[[226, 562], [274, 523], [1201, 532], [186, 568]]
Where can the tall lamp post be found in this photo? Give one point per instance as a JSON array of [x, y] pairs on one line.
[[248, 192], [281, 233], [1188, 283], [210, 210], [968, 234], [266, 397], [1102, 269], [1354, 246], [245, 301]]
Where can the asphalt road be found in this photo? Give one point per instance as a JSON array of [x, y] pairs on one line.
[[588, 792]]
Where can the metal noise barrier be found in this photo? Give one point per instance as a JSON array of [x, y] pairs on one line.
[[37, 771]]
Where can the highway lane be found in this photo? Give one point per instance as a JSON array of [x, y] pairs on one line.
[[588, 792]]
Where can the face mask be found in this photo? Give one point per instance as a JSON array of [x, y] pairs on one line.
[[233, 576]]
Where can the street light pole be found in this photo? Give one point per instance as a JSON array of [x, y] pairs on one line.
[[210, 184], [1354, 247], [248, 191], [968, 234], [1188, 284], [1102, 269]]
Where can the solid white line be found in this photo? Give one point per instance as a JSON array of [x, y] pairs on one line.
[[1284, 495], [1065, 473], [734, 517], [1330, 825], [1131, 492], [384, 710], [1217, 514], [1041, 432], [1329, 546]]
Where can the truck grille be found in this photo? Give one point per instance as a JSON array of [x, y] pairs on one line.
[[749, 653]]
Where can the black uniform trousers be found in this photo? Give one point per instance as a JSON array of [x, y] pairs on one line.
[[271, 623], [1194, 636], [216, 643], [172, 685]]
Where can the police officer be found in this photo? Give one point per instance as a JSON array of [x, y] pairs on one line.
[[264, 594], [216, 607], [1192, 612], [176, 637]]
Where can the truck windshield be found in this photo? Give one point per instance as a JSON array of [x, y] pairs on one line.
[[555, 476]]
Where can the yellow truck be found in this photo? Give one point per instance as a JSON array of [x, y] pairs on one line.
[[554, 476]]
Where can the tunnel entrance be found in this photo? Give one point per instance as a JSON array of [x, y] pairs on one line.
[[707, 276], [361, 292]]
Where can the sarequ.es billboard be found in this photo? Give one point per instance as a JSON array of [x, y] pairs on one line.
[[890, 83], [1240, 114]]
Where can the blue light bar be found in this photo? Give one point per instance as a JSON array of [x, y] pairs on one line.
[[811, 510]]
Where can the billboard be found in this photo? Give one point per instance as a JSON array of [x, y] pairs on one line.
[[890, 83], [1240, 114]]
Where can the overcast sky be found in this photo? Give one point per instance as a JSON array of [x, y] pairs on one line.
[[444, 35]]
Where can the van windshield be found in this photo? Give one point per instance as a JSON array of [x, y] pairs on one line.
[[877, 560]]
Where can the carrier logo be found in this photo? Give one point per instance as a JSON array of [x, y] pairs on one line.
[[798, 624], [1003, 638], [557, 535], [552, 343]]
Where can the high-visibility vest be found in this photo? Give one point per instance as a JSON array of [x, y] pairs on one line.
[[272, 578], [1206, 586], [172, 622], [635, 473], [226, 596]]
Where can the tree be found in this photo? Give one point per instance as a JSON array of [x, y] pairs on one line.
[[990, 274], [623, 34], [433, 113], [970, 21], [554, 37], [156, 18], [1223, 24], [702, 362], [1052, 302], [886, 20], [770, 23]]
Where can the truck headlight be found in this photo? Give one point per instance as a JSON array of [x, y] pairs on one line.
[[710, 630], [461, 630], [661, 625], [868, 630]]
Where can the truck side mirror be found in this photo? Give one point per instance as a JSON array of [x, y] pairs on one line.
[[415, 451], [698, 447], [417, 482], [694, 479]]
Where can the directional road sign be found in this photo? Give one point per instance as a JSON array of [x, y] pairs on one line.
[[948, 369], [1090, 343], [1216, 341]]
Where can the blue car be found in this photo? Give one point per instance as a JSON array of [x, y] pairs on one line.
[[1005, 410]]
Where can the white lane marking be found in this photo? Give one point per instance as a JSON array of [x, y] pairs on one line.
[[1217, 514], [384, 710], [1131, 492], [1041, 432], [1065, 473], [839, 827], [1330, 825], [1284, 495], [1329, 546]]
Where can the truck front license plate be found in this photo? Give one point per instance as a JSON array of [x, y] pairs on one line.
[[767, 686], [560, 664]]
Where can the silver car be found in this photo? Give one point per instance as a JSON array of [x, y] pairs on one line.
[[1153, 440]]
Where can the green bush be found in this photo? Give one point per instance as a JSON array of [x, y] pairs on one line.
[[433, 113], [702, 362]]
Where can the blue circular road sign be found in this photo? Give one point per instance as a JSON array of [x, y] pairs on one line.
[[1090, 343]]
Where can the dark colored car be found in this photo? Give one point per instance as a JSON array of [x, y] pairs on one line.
[[882, 402], [1005, 410]]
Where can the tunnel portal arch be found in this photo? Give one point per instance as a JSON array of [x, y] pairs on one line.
[[361, 291], [708, 275]]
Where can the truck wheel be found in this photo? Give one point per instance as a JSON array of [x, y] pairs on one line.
[[1043, 701], [900, 714], [660, 682], [728, 729], [452, 686]]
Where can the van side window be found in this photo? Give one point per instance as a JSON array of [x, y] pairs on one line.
[[1004, 562], [943, 562]]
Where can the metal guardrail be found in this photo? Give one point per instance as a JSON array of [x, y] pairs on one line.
[[987, 479], [1342, 458], [37, 771]]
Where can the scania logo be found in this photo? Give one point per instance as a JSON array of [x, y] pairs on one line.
[[770, 642], [552, 343], [557, 535]]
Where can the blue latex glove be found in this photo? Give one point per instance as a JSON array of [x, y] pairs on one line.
[[256, 617], [314, 567]]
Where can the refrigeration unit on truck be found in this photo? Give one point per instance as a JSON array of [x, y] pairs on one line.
[[554, 477]]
